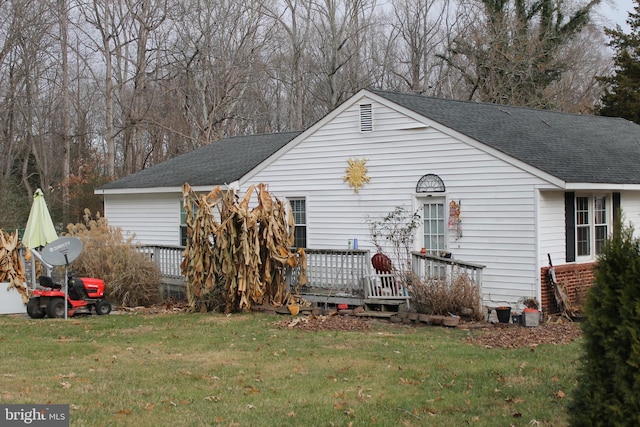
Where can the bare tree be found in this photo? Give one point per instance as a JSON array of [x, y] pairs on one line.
[[218, 57], [419, 30], [63, 19], [341, 27], [98, 14], [288, 67]]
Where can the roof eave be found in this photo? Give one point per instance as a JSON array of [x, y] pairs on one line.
[[156, 190], [599, 186]]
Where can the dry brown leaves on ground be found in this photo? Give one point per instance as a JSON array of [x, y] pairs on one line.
[[332, 322], [487, 335], [514, 336]]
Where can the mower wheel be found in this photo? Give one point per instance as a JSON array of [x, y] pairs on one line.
[[34, 310], [56, 308], [103, 307]]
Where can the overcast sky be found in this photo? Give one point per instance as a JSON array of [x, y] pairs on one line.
[[617, 11]]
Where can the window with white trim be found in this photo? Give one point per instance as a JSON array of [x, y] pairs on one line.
[[593, 222], [299, 211]]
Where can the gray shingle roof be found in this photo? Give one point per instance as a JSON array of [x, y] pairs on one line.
[[219, 163], [575, 148], [572, 147]]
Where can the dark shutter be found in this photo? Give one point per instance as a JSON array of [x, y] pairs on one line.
[[570, 225], [617, 213]]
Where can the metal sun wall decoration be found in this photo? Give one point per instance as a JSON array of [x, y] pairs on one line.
[[356, 173]]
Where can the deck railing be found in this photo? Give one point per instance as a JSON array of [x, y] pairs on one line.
[[427, 266], [335, 269], [339, 270], [167, 258]]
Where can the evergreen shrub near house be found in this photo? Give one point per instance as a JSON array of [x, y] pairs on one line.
[[131, 278], [608, 387]]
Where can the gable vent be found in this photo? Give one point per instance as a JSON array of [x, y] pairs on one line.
[[366, 118]]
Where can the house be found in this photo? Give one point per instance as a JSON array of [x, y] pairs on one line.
[[507, 187]]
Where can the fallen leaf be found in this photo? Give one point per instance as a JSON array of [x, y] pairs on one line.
[[560, 394]]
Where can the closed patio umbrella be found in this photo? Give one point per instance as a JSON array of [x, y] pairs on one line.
[[39, 230]]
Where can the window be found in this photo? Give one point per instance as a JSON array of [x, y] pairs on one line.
[[183, 225], [434, 226], [299, 210], [592, 224], [588, 223]]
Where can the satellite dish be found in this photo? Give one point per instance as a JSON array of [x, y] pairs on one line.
[[62, 251]]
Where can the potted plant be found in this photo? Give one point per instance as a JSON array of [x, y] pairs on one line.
[[531, 312]]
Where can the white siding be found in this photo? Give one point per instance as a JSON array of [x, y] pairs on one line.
[[552, 223], [552, 228], [507, 223], [154, 219], [497, 199], [630, 205]]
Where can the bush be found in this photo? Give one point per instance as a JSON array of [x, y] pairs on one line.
[[131, 278], [608, 388], [460, 296]]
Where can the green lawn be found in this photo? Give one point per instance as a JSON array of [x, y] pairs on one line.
[[242, 370]]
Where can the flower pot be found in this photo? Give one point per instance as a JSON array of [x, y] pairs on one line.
[[531, 317], [503, 313]]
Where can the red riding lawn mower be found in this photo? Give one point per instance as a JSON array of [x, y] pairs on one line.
[[81, 295], [84, 295]]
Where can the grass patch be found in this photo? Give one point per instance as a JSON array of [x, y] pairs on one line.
[[209, 369]]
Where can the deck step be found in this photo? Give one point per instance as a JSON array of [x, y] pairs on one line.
[[390, 307]]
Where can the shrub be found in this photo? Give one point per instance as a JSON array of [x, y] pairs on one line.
[[459, 295], [608, 388], [131, 278]]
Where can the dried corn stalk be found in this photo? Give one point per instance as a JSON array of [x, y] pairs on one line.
[[11, 267], [242, 250]]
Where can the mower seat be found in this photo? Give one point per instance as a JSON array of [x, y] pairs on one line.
[[76, 289], [47, 282]]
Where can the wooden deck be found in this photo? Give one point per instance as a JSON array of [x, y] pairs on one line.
[[335, 276]]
